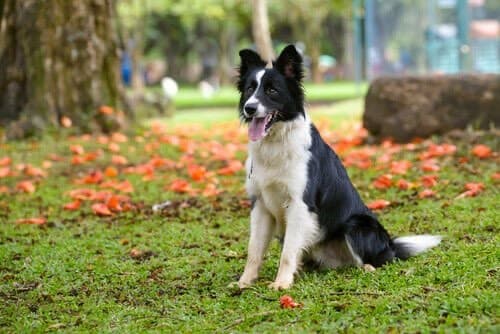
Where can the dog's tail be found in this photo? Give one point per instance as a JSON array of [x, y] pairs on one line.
[[415, 244]]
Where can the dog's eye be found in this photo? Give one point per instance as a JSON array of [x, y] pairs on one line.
[[271, 91], [250, 90]]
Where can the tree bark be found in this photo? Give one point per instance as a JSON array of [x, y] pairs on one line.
[[260, 30], [58, 59]]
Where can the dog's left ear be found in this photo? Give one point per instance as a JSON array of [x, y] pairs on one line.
[[289, 63]]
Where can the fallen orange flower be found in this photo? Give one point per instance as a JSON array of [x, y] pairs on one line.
[[180, 186], [4, 172], [26, 186], [113, 203], [119, 160], [482, 151], [472, 189], [111, 171], [5, 161], [429, 180], [77, 149], [101, 209], [400, 167], [75, 205], [426, 193], [378, 204], [383, 181], [31, 221], [429, 166], [196, 172], [232, 167], [288, 302]]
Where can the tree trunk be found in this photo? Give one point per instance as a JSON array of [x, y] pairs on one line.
[[58, 60], [260, 30]]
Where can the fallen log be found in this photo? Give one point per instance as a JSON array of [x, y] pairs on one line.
[[403, 108]]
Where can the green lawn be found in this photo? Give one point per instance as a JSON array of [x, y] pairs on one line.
[[227, 96], [141, 271]]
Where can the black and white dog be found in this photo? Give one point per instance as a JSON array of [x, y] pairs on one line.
[[300, 190]]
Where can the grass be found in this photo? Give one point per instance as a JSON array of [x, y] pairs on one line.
[[190, 97], [76, 272]]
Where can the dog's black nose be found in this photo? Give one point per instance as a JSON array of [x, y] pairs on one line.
[[251, 108]]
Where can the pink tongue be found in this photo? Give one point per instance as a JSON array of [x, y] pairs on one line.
[[257, 128]]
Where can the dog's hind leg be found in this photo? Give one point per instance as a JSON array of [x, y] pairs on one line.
[[301, 233], [261, 232], [369, 242]]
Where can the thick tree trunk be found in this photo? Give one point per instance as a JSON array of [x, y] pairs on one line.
[[260, 30], [407, 107], [58, 59]]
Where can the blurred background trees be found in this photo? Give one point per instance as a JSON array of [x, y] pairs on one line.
[[63, 60]]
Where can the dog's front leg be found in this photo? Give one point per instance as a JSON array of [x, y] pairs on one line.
[[261, 232], [301, 232]]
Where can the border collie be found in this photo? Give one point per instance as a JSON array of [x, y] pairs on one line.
[[300, 190]]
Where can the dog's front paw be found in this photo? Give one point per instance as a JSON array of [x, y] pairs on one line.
[[281, 285], [243, 284]]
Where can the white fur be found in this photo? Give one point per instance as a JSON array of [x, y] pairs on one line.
[[261, 111], [417, 244], [277, 178]]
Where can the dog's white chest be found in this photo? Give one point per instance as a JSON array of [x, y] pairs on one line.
[[277, 167]]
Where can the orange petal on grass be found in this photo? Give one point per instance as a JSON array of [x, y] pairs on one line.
[[426, 193], [429, 180], [378, 204], [113, 203], [4, 172], [211, 190], [495, 176], [5, 161], [77, 149], [75, 205], [196, 172], [287, 301], [119, 160], [180, 186], [111, 171], [429, 166], [482, 151], [26, 186], [101, 209], [31, 221], [4, 190], [471, 189], [400, 167], [232, 167], [383, 181]]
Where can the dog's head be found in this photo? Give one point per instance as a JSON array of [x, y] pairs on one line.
[[270, 95]]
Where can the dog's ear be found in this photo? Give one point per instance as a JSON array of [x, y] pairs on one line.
[[249, 59], [289, 63]]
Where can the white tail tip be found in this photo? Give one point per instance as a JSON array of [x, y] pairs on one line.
[[417, 244]]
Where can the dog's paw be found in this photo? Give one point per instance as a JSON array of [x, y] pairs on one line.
[[243, 284], [368, 267], [280, 285]]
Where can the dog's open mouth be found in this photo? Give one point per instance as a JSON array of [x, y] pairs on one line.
[[259, 126]]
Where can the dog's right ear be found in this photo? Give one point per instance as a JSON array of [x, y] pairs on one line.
[[249, 59]]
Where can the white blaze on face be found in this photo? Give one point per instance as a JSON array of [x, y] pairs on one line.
[[253, 99]]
